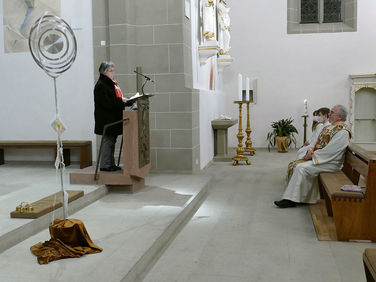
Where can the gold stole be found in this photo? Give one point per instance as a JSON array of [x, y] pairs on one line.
[[325, 136]]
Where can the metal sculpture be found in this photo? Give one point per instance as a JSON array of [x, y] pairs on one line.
[[53, 46]]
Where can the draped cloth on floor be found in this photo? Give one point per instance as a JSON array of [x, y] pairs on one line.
[[69, 239]]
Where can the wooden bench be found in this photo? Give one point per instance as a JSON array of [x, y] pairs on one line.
[[354, 213], [83, 145], [369, 262]]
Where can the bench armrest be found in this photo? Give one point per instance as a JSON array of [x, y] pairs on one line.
[[333, 181]]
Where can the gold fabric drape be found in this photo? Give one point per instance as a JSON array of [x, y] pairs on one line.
[[69, 239]]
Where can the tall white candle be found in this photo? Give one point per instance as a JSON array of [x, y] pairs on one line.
[[247, 88], [240, 86], [305, 107], [254, 88]]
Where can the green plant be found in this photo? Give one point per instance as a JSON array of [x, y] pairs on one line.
[[283, 127]]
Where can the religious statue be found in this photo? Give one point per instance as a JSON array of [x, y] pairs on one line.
[[223, 28], [208, 20]]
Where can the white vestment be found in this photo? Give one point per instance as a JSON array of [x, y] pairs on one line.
[[312, 141], [303, 185]]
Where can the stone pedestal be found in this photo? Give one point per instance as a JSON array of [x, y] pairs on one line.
[[207, 50], [220, 127]]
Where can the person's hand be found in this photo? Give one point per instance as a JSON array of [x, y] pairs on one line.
[[306, 143], [124, 99], [308, 156]]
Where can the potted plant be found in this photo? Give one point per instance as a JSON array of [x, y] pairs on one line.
[[282, 134]]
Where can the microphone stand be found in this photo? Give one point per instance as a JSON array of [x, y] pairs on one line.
[[146, 80]]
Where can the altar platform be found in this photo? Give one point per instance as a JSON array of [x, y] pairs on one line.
[[132, 228]]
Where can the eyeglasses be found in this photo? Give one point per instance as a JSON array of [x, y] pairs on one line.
[[333, 113]]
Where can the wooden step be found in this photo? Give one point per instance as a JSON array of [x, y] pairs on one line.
[[46, 205]]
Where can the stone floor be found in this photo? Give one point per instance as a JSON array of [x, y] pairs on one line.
[[236, 235], [239, 235], [131, 228]]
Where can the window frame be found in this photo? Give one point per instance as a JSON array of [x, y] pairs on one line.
[[348, 21]]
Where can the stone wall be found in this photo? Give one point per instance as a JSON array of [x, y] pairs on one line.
[[154, 35]]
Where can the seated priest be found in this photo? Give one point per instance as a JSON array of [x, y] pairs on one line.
[[326, 156], [321, 120], [109, 103]]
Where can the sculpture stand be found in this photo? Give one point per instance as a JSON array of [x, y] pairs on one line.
[[305, 127], [240, 150], [248, 143]]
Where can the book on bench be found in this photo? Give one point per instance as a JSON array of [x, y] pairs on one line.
[[351, 188]]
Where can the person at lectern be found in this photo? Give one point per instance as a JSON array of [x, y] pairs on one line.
[[109, 103]]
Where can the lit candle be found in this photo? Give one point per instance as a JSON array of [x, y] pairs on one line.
[[240, 86], [305, 107], [247, 89]]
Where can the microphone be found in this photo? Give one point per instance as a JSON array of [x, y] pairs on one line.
[[147, 78]]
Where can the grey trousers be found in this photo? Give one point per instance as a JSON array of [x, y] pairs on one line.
[[108, 150]]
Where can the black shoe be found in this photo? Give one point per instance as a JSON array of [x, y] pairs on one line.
[[116, 167], [285, 204], [111, 168]]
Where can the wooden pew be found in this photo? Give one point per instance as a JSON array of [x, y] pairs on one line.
[[83, 145], [354, 213], [369, 262]]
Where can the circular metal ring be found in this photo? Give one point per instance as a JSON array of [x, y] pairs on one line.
[[52, 44]]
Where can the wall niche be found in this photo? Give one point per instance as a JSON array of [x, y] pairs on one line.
[[362, 115]]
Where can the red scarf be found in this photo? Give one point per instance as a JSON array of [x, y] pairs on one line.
[[118, 92]]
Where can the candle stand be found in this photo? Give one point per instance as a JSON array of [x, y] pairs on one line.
[[248, 142], [305, 127], [240, 150]]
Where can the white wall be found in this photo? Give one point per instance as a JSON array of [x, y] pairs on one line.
[[210, 109], [291, 68], [27, 93], [210, 106]]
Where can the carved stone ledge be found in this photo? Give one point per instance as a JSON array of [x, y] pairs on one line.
[[207, 50], [224, 61]]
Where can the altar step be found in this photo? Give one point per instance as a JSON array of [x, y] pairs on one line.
[[32, 227], [133, 230]]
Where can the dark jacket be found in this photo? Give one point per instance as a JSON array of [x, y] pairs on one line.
[[108, 107]]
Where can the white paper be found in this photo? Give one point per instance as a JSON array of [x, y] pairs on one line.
[[135, 96], [352, 188]]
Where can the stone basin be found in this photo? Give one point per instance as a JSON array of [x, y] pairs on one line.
[[220, 127]]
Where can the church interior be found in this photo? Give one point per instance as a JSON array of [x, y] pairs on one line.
[[193, 200]]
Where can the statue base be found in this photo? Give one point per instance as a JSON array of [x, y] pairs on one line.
[[224, 61], [208, 49]]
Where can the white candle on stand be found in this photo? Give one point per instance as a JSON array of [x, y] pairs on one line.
[[305, 107], [247, 89], [240, 86]]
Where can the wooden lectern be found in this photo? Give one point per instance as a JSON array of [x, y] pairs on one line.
[[136, 154]]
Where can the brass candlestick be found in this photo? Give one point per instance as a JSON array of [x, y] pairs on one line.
[[240, 136], [248, 143]]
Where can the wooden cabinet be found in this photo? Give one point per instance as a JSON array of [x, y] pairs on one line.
[[362, 114]]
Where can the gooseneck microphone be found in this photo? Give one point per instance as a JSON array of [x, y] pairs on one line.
[[147, 78]]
